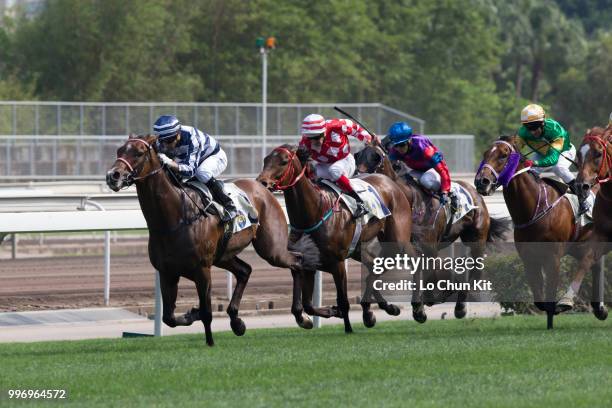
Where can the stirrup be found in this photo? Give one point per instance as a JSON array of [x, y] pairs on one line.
[[360, 211], [229, 214]]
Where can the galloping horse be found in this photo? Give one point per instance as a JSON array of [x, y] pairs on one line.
[[595, 161], [315, 212], [540, 214], [432, 233], [185, 241]]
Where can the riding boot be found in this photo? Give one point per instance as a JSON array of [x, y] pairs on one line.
[[361, 209], [583, 206], [216, 188], [344, 183]]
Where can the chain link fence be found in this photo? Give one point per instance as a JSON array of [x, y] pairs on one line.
[[78, 140]]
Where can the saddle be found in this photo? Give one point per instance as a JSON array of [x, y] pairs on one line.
[[559, 186]]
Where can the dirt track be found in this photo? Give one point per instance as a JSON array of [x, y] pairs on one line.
[[63, 279]]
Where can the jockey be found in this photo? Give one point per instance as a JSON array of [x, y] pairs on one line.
[[189, 152], [327, 141], [551, 144], [424, 160]]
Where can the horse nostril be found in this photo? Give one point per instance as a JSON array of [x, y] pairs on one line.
[[116, 175], [585, 187], [264, 183], [485, 182]]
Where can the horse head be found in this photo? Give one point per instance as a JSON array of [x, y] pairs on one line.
[[594, 158], [369, 159], [136, 159], [283, 167], [499, 164]]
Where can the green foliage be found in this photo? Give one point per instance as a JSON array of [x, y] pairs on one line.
[[465, 67]]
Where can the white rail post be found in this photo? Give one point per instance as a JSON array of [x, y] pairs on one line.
[[229, 285], [107, 237], [317, 298], [157, 325], [14, 240]]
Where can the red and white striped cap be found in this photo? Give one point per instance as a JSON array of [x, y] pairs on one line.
[[313, 124]]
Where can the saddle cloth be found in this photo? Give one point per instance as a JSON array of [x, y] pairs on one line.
[[372, 201], [247, 214], [586, 218], [465, 202]]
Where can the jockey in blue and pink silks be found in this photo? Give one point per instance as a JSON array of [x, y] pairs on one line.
[[425, 161]]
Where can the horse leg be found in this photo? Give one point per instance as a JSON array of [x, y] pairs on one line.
[[271, 244], [533, 274], [203, 286], [477, 249], [242, 272], [339, 274], [418, 308], [599, 309], [296, 304], [567, 300], [169, 291], [307, 289]]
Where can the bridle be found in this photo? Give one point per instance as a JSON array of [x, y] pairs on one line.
[[133, 172], [509, 170], [289, 172], [606, 159]]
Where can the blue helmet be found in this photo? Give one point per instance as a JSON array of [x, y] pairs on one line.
[[400, 132], [166, 126]]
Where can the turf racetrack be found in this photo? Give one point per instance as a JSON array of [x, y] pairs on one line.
[[511, 361]]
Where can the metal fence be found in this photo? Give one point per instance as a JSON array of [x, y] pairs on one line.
[[77, 140]]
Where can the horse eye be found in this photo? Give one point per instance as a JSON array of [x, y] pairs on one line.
[[597, 154], [503, 156]]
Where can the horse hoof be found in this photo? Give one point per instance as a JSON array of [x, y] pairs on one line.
[[420, 317], [460, 312], [238, 326], [348, 330], [562, 307], [210, 343], [601, 313], [393, 310], [306, 323], [369, 320]]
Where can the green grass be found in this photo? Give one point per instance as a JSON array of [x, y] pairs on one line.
[[511, 361]]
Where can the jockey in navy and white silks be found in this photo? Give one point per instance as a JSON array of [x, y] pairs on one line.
[[189, 152]]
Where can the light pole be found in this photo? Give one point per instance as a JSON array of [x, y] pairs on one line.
[[265, 46]]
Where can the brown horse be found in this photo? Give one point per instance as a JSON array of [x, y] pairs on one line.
[[430, 229], [595, 161], [540, 214], [186, 242], [315, 212]]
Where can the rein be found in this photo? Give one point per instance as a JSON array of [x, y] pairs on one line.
[[606, 159], [509, 172], [289, 171], [133, 172]]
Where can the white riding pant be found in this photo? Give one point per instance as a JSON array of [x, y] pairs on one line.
[[562, 168], [211, 167], [333, 171], [430, 179]]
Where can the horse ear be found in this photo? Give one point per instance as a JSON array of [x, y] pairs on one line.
[[588, 131], [132, 136], [303, 154]]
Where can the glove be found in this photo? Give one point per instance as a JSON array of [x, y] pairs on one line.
[[529, 163], [168, 162]]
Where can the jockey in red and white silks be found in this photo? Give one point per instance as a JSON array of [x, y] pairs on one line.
[[328, 143]]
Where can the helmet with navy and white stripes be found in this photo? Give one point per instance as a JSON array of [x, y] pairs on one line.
[[166, 126]]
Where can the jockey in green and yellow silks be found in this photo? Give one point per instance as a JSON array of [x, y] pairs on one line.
[[551, 143]]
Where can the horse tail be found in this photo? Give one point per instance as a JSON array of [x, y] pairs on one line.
[[308, 251], [498, 229]]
